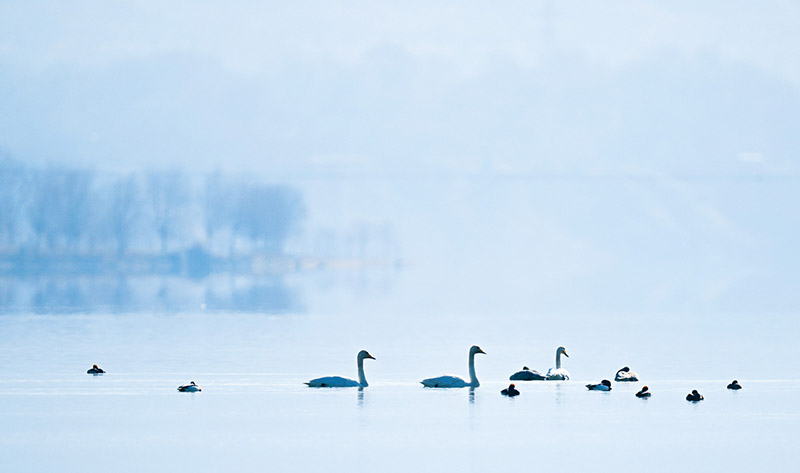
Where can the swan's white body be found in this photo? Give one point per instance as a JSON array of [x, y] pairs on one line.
[[334, 382], [455, 381], [527, 375], [558, 373], [340, 382], [189, 388], [625, 374]]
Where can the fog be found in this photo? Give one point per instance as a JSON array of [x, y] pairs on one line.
[[245, 194], [634, 157], [320, 88]]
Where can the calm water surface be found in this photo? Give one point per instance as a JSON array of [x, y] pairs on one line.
[[620, 273], [254, 413]]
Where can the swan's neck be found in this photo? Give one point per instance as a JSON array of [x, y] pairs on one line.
[[362, 380], [473, 379], [558, 360]]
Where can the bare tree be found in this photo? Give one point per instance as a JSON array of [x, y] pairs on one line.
[[11, 184], [76, 206], [218, 198], [168, 195], [124, 211], [40, 208], [267, 214]]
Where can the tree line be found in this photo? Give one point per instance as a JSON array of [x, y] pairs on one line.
[[68, 211]]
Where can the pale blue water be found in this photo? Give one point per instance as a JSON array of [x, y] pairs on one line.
[[254, 413], [689, 284]]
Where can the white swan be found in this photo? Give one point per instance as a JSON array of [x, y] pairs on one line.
[[527, 374], [189, 388], [558, 373], [339, 382], [625, 374], [455, 381]]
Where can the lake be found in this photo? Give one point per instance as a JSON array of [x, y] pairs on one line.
[[676, 301], [255, 414]]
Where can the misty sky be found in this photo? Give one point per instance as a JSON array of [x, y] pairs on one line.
[[321, 87]]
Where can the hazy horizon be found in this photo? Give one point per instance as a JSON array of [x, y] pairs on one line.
[[246, 194], [284, 90]]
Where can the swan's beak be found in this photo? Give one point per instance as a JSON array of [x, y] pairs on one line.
[[565, 354], [371, 357], [481, 351]]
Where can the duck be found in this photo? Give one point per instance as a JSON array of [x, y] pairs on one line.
[[189, 388], [340, 382], [644, 392], [625, 374], [455, 381], [558, 373], [734, 385], [605, 385], [527, 374], [95, 370], [694, 396], [510, 391]]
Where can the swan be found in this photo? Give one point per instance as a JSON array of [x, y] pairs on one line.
[[734, 385], [625, 374], [510, 391], [605, 385], [189, 388], [694, 396], [527, 374], [559, 373], [95, 370], [454, 381], [644, 392], [339, 382]]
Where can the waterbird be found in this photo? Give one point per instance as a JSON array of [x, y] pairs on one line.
[[340, 382], [189, 388], [510, 391], [527, 374], [694, 396], [644, 392], [734, 385], [625, 374], [559, 373], [455, 381], [95, 370], [605, 385]]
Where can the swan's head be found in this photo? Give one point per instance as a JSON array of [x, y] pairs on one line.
[[364, 354], [625, 369], [95, 367], [694, 392], [644, 389], [476, 349], [525, 368], [735, 382], [606, 382], [192, 383], [562, 351]]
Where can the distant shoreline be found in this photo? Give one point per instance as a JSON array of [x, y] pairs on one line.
[[194, 262]]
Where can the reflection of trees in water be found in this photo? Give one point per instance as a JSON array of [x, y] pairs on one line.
[[146, 294], [271, 296], [78, 240]]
